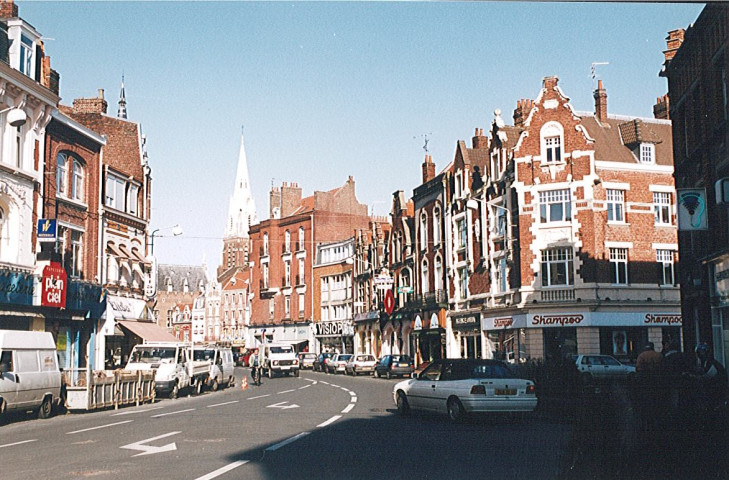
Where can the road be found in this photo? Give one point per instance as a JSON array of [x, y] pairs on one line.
[[315, 426]]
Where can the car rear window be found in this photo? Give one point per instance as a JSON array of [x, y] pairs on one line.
[[401, 358], [345, 357], [487, 371]]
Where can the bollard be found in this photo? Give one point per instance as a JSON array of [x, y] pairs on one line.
[[244, 383]]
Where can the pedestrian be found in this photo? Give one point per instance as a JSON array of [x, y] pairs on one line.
[[712, 377], [647, 386]]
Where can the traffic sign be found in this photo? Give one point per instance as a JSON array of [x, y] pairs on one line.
[[404, 289], [389, 302]]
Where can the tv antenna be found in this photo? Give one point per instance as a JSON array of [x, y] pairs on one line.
[[593, 72], [427, 139]]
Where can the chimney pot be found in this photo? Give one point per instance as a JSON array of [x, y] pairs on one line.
[[101, 93]]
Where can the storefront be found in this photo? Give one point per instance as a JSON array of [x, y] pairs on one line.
[[719, 274], [334, 336], [505, 337], [467, 334], [396, 333], [16, 301], [118, 331], [429, 338], [367, 337]]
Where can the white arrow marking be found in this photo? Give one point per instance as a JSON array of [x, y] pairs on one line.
[[283, 405], [150, 449]]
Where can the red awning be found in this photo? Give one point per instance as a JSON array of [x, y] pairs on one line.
[[148, 331]]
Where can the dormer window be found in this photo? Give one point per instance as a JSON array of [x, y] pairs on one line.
[[26, 56], [647, 153], [552, 135], [553, 149]]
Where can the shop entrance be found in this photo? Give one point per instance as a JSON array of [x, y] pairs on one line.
[[430, 345], [559, 344], [470, 345]]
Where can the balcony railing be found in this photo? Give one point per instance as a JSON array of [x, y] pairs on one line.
[[428, 299], [558, 295]]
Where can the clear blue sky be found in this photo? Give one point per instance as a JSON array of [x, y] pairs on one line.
[[328, 89]]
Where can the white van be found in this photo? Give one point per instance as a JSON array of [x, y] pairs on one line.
[[221, 370], [29, 374]]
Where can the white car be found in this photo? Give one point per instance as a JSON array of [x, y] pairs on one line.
[[360, 364], [459, 387], [602, 368], [338, 363]]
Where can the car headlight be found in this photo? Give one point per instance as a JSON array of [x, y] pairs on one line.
[[275, 363]]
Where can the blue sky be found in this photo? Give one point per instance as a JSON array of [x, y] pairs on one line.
[[331, 89]]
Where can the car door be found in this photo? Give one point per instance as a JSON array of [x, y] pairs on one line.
[[613, 368], [423, 389], [598, 369], [8, 385]]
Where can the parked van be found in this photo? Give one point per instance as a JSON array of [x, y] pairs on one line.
[[174, 366], [29, 375], [222, 364]]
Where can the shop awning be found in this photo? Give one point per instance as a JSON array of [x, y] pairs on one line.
[[125, 251], [114, 250], [138, 255], [148, 331]]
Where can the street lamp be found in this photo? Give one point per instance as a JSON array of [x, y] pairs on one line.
[[176, 231], [16, 116], [150, 288]]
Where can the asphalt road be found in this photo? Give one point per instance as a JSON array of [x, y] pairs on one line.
[[315, 426]]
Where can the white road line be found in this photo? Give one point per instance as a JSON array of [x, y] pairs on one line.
[[260, 396], [173, 413], [335, 386], [137, 411], [349, 407], [354, 399], [305, 386], [221, 404], [100, 426], [331, 420], [325, 383], [352, 393], [287, 391], [17, 443], [286, 442], [223, 470]]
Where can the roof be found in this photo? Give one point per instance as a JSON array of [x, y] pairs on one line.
[[177, 275]]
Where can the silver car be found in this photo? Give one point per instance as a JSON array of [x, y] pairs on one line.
[[338, 362], [360, 364], [602, 368]]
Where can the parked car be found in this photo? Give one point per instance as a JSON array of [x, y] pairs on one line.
[[602, 368], [459, 387], [360, 364], [320, 364], [306, 360], [221, 368], [246, 360], [394, 366], [338, 362]]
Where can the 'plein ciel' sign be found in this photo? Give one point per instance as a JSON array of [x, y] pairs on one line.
[[53, 287]]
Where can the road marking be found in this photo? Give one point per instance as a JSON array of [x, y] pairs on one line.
[[221, 404], [287, 391], [286, 442], [349, 407], [137, 411], [346, 389], [282, 406], [354, 399], [100, 426], [260, 396], [222, 470], [331, 420], [335, 386], [305, 386], [325, 383], [17, 443], [173, 413], [151, 449]]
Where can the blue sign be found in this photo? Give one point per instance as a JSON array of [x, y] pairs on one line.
[[85, 297], [47, 230], [16, 288]]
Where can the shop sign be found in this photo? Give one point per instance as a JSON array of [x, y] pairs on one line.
[[557, 320], [333, 329], [721, 281], [468, 323], [85, 297], [600, 319], [16, 288], [46, 230], [125, 308], [504, 323], [53, 286], [663, 320]]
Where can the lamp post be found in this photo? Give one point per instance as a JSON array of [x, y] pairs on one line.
[[176, 232], [150, 289]]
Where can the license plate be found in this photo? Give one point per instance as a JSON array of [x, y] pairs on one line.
[[505, 391]]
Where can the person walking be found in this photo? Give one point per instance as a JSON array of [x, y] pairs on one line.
[[647, 386]]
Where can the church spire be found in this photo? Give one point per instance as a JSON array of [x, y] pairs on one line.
[[122, 112], [242, 210]]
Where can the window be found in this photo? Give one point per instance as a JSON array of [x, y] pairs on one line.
[[500, 224], [463, 282], [616, 205], [287, 270], [287, 241], [555, 206], [501, 279], [553, 149], [132, 199], [301, 271], [287, 306], [662, 208], [423, 231], [619, 265], [665, 262], [76, 262], [265, 275], [438, 274], [265, 243], [424, 277], [61, 172], [26, 56], [115, 190], [77, 181], [462, 233], [647, 153], [19, 147], [557, 265], [301, 239], [302, 301], [436, 226]]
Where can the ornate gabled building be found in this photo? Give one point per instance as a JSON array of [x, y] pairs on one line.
[[180, 287]]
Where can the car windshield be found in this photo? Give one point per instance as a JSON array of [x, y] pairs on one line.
[[153, 355], [308, 355], [203, 354], [282, 349]]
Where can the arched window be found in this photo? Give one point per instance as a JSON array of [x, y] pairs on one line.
[[552, 142], [436, 225], [423, 231], [301, 239], [61, 173], [77, 180], [424, 283], [438, 273], [287, 241]]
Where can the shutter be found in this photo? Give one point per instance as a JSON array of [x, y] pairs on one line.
[[4, 43], [38, 62]]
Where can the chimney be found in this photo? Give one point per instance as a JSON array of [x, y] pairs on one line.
[[600, 103], [290, 198], [673, 43], [521, 112], [8, 9], [274, 203], [479, 141], [661, 108], [91, 105], [428, 169]]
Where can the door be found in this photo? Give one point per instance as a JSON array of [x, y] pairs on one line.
[[29, 378], [8, 386], [423, 393]]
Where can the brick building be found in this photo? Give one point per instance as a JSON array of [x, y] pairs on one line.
[[696, 67], [180, 287], [284, 247]]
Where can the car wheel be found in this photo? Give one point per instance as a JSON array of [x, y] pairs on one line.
[[376, 374], [270, 373], [403, 407], [174, 391], [296, 373], [198, 387], [215, 385], [231, 382], [46, 408], [389, 375], [455, 410]]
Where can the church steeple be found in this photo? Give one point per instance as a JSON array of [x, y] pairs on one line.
[[122, 112], [242, 210]]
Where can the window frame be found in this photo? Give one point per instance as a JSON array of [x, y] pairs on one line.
[[548, 199], [647, 153], [77, 180], [662, 208], [667, 266], [554, 257], [615, 205], [61, 173], [619, 265]]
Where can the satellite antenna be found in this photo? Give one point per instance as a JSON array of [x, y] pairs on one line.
[[593, 73]]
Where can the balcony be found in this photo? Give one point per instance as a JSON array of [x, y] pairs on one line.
[[429, 299], [558, 295]]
